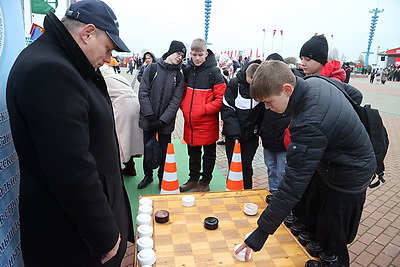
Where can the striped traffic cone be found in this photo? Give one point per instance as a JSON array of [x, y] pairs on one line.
[[170, 184], [235, 175]]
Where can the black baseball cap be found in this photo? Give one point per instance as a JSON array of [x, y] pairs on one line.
[[101, 15]]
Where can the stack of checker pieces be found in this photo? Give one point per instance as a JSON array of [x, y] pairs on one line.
[[183, 240]]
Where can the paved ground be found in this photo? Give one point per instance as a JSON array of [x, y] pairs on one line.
[[378, 239]]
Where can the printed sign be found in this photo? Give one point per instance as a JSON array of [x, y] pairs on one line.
[[11, 43]]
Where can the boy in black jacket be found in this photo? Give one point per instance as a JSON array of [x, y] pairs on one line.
[[323, 142], [240, 114]]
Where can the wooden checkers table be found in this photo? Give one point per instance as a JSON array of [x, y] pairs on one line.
[[183, 241]]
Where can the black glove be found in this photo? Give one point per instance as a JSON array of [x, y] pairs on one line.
[[257, 239], [154, 126]]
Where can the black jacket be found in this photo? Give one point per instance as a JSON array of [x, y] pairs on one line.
[[72, 203], [161, 96], [326, 134], [272, 130], [240, 113]]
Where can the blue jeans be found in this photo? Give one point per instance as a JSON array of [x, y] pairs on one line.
[[276, 163]]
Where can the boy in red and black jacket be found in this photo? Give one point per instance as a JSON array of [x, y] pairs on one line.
[[202, 100]]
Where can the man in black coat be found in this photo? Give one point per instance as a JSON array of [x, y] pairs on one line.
[[326, 136], [74, 209]]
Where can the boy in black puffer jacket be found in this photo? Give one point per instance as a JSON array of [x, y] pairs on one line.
[[160, 95], [241, 114], [325, 139]]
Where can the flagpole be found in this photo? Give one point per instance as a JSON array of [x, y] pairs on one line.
[[273, 37], [263, 44]]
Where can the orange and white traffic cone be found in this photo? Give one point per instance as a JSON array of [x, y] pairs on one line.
[[170, 184], [235, 174]]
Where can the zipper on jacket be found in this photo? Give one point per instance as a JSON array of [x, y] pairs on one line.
[[191, 105]]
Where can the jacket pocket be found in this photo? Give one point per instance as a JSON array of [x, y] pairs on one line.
[[109, 189], [298, 155]]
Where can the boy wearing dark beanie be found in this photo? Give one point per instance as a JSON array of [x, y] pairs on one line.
[[175, 46], [316, 48], [314, 59], [160, 95]]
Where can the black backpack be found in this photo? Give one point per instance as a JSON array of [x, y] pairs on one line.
[[373, 124]]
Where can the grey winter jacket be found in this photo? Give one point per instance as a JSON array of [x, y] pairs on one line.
[[326, 134], [162, 96]]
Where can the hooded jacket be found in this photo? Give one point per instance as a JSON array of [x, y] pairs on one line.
[[333, 69], [72, 202], [161, 96], [240, 112], [201, 102], [142, 68], [326, 135]]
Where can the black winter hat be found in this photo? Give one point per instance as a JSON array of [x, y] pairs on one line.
[[175, 46], [275, 56], [316, 48]]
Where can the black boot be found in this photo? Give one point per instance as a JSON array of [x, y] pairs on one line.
[[145, 182], [129, 168]]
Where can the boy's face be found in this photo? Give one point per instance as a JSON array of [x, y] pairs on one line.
[[198, 57], [310, 66], [175, 58], [278, 103], [148, 60]]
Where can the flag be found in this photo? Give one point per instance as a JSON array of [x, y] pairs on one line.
[[43, 7], [35, 31], [273, 33], [281, 32]]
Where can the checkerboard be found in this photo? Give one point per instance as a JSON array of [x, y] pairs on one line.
[[183, 241]]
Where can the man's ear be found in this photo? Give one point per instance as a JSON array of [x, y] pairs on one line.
[[87, 32], [287, 89]]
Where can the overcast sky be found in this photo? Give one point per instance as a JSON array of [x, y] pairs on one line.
[[238, 24]]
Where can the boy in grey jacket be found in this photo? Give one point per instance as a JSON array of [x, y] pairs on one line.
[[160, 95]]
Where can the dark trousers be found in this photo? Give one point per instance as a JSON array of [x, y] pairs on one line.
[[163, 139], [248, 150], [209, 156], [333, 217]]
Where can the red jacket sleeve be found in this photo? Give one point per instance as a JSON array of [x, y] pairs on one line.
[[215, 105]]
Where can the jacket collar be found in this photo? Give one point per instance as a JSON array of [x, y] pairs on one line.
[[57, 30], [296, 98]]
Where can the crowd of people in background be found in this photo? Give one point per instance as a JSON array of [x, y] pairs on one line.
[[381, 75]]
